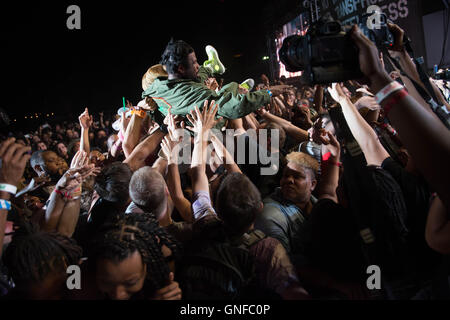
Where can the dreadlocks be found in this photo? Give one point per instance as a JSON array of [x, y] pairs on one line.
[[33, 254], [136, 232]]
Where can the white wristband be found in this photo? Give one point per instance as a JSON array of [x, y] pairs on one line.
[[387, 90], [5, 204], [8, 188]]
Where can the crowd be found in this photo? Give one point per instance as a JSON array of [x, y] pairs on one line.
[[152, 203]]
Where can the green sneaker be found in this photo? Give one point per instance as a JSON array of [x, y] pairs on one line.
[[213, 63], [248, 84]]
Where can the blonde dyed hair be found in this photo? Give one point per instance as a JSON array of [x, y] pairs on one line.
[[304, 160], [152, 73]]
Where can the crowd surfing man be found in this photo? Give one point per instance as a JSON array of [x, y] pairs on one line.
[[185, 86], [139, 224]]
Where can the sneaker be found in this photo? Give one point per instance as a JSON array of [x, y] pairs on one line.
[[213, 63], [248, 84]]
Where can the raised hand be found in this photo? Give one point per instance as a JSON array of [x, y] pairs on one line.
[[14, 158], [337, 93], [211, 83], [85, 119], [331, 143], [79, 160], [205, 120], [73, 178], [369, 61]]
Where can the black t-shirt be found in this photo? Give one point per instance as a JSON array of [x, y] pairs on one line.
[[332, 242], [417, 196]]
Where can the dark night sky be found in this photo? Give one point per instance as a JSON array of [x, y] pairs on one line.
[[48, 68]]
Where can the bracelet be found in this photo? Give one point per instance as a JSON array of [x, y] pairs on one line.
[[329, 162], [65, 195], [8, 188], [5, 204], [337, 164], [393, 101], [387, 90]]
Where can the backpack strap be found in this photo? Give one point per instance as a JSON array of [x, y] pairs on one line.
[[249, 239]]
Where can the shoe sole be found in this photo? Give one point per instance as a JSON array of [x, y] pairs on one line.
[[213, 55]]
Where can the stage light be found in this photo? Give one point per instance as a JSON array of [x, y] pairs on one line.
[[265, 58]]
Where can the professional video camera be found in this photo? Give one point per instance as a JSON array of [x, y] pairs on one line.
[[327, 54]]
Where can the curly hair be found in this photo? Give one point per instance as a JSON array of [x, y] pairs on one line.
[[119, 239], [175, 54]]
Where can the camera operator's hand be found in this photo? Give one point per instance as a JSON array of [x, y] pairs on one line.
[[398, 37], [369, 61]]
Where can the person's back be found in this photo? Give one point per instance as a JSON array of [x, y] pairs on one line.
[[231, 231]]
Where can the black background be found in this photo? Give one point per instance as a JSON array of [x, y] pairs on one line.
[[49, 68]]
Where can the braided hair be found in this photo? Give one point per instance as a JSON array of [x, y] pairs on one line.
[[33, 254], [118, 240]]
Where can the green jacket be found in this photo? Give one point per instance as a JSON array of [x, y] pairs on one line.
[[184, 94]]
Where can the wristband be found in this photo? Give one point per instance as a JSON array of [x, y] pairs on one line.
[[393, 101], [270, 93], [65, 195], [337, 164], [8, 188], [5, 204], [61, 193], [387, 90]]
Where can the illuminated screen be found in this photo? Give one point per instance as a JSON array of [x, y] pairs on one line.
[[297, 26]]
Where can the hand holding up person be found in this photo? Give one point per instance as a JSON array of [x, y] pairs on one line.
[[203, 121], [211, 83], [170, 143]]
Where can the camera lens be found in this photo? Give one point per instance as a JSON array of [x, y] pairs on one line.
[[292, 53]]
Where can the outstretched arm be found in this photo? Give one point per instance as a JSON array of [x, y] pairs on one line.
[[149, 145], [170, 148], [330, 175], [133, 132], [85, 123], [424, 135], [366, 137], [64, 206], [202, 123], [298, 134]]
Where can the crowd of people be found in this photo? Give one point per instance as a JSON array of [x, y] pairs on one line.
[[152, 203]]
